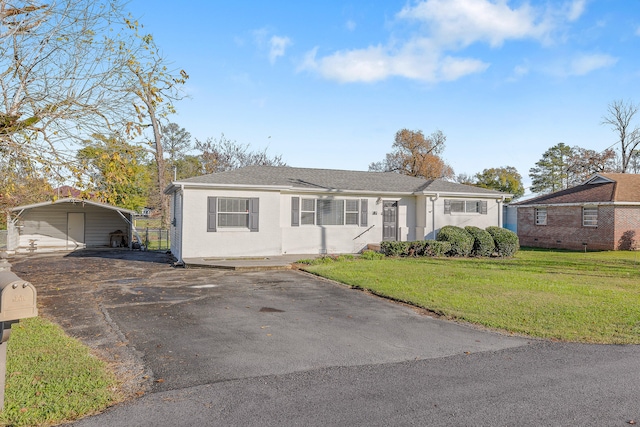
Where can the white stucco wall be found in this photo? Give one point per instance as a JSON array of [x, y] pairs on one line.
[[328, 239], [435, 217], [419, 217], [197, 242]]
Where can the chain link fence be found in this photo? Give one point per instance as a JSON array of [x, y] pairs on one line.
[[155, 239]]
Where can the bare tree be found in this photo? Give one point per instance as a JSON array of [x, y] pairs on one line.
[[57, 75], [619, 116], [219, 155], [155, 87]]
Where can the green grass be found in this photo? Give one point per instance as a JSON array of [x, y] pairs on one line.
[[571, 296], [51, 377]]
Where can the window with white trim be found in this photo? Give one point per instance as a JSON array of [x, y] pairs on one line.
[[330, 212], [308, 212], [233, 213], [590, 217], [351, 212], [541, 216], [465, 206]]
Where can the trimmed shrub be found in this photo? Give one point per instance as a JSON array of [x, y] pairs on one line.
[[483, 244], [506, 241], [395, 248], [371, 255], [461, 241], [435, 248]]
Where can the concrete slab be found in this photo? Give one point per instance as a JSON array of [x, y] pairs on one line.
[[282, 262]]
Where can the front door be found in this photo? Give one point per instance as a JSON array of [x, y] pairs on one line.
[[75, 230], [390, 221]]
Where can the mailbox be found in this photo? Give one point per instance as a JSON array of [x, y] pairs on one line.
[[17, 301], [17, 298]]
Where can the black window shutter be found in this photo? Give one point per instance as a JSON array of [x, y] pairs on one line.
[[295, 211], [364, 212], [253, 214], [211, 213], [447, 206], [483, 207]]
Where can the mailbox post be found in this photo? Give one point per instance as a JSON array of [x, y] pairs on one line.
[[17, 301]]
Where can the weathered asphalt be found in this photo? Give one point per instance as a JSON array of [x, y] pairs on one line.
[[285, 348]]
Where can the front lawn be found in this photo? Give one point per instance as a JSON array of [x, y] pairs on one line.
[[572, 296], [52, 378]]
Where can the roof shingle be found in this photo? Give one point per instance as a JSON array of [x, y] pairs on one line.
[[333, 180]]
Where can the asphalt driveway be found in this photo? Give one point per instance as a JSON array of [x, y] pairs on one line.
[[285, 348]]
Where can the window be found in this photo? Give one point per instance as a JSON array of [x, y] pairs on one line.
[[465, 206], [351, 214], [457, 206], [308, 212], [541, 216], [590, 217], [232, 213], [330, 212]]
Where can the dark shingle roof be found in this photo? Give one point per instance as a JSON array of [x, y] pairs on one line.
[[333, 180]]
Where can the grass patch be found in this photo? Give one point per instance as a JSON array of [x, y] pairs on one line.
[[52, 378], [571, 296]]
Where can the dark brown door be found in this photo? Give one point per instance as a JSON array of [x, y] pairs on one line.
[[390, 221]]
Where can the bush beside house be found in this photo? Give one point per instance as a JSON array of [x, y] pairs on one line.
[[459, 242], [483, 244]]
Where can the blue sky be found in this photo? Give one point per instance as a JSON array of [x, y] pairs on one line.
[[328, 84]]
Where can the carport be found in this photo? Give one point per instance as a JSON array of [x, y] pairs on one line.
[[68, 224]]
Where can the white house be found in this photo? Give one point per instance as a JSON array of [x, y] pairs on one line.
[[266, 210]]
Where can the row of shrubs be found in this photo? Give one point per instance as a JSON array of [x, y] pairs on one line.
[[459, 242]]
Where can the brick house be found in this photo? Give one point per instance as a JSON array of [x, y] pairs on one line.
[[603, 213]]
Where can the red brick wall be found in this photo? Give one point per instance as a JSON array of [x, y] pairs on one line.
[[564, 229], [627, 232]]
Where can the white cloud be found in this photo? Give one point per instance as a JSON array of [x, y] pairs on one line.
[[576, 9], [274, 45], [447, 27], [351, 25], [415, 61], [584, 64], [463, 22], [277, 47]]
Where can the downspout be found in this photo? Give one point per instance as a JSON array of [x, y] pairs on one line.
[[500, 207], [433, 214]]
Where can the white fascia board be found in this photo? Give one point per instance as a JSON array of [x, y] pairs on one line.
[[188, 185], [498, 196]]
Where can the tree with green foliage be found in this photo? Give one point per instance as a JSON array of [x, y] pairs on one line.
[[551, 171], [117, 172], [505, 179]]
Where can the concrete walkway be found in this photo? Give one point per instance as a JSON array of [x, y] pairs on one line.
[[280, 262]]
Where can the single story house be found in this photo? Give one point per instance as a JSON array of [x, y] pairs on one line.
[[68, 224], [266, 210], [603, 213]]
